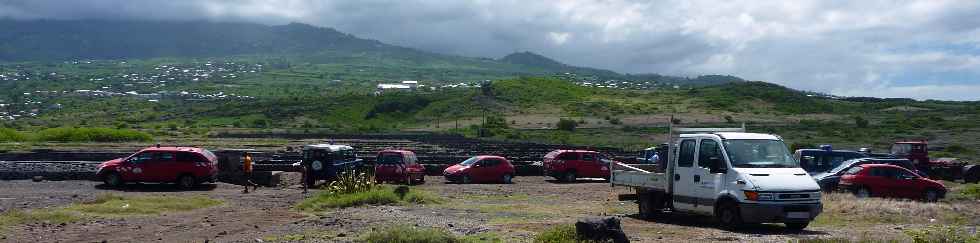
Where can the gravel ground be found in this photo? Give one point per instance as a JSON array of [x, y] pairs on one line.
[[515, 212]]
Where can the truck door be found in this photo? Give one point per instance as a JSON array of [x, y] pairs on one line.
[[706, 183], [685, 196]]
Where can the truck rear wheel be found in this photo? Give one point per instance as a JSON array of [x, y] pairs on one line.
[[646, 208], [797, 226]]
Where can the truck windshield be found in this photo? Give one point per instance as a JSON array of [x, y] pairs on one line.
[[901, 149], [759, 153]]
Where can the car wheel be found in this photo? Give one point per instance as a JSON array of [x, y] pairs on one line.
[[862, 192], [931, 195], [466, 179], [422, 179], [570, 177], [186, 182], [797, 226], [728, 215], [507, 179], [112, 179]]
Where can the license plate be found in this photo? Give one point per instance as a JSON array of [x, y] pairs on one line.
[[798, 215]]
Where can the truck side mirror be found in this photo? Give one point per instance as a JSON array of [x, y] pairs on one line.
[[717, 165]]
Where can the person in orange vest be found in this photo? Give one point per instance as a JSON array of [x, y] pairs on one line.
[[247, 169]]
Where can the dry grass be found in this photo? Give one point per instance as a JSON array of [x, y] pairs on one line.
[[845, 210]]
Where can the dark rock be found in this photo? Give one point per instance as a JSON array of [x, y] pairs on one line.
[[223, 233], [601, 229], [341, 235], [37, 178]]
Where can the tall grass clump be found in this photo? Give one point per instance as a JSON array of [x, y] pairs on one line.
[[72, 134], [351, 181]]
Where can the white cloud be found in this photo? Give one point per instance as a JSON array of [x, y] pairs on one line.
[[831, 46], [919, 92]]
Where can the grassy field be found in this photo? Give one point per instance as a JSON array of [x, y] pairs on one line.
[[106, 205]]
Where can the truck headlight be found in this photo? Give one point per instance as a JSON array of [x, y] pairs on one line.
[[756, 196]]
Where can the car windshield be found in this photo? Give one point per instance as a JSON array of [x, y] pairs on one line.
[[470, 161], [759, 153], [390, 159], [844, 165]]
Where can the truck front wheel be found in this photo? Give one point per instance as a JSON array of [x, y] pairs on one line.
[[728, 215]]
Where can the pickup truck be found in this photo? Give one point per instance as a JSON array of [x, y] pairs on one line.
[[739, 178]]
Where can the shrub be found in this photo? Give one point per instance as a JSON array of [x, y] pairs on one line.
[[567, 125], [729, 119], [406, 234], [70, 134], [957, 149], [11, 135], [614, 121], [860, 122], [971, 191], [378, 195], [943, 233], [558, 234]]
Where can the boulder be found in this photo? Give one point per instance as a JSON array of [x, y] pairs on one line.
[[601, 229]]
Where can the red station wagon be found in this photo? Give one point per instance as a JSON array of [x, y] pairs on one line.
[[569, 165], [185, 166], [890, 181], [398, 166], [480, 169]]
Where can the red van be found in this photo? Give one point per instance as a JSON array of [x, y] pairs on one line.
[[569, 165], [480, 169], [398, 166], [185, 166], [884, 180]]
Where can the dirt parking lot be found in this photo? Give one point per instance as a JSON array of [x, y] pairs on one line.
[[514, 212]]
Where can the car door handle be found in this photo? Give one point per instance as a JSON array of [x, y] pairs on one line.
[[677, 177], [697, 178]]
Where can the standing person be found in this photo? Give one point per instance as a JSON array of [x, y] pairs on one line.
[[247, 168]]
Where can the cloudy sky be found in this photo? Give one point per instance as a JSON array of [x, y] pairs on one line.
[[927, 49]]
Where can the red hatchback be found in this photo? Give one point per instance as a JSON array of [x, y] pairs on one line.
[[480, 169], [890, 181], [185, 166], [398, 166], [569, 165]]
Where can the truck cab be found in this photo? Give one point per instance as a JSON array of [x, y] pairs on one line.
[[736, 177]]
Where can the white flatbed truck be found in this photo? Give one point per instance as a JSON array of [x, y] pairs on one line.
[[737, 177]]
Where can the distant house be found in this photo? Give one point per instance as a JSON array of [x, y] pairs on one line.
[[411, 84], [386, 88]]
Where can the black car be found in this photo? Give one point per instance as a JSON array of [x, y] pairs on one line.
[[326, 161], [828, 180]]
